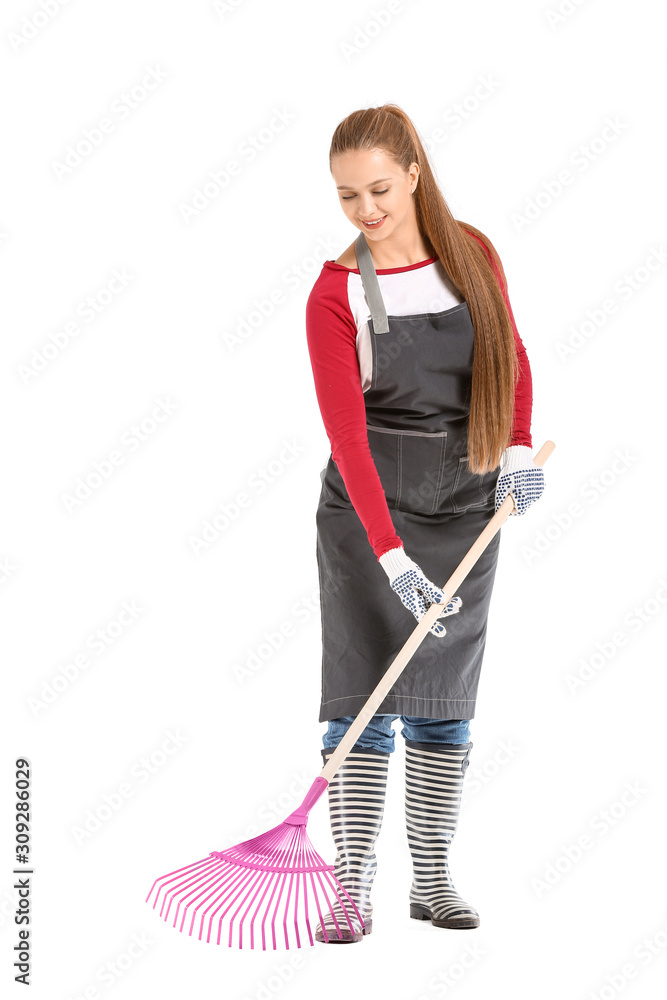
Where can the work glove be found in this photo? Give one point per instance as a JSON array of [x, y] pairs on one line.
[[415, 591], [519, 476]]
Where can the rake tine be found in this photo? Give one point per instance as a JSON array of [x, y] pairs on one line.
[[240, 882], [209, 878], [337, 888], [332, 911], [166, 878], [187, 882], [275, 911], [286, 908], [317, 904], [189, 888], [268, 907], [326, 900], [264, 880], [259, 877], [217, 886], [342, 888]]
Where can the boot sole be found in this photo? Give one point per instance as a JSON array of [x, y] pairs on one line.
[[418, 912], [368, 927]]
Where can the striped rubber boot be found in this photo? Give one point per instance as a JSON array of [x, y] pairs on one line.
[[356, 806], [433, 785]]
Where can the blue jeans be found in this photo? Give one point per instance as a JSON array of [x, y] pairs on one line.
[[379, 733]]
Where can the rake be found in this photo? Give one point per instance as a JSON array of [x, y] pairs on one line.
[[267, 881]]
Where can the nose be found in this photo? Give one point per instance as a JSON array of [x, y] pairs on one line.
[[367, 209]]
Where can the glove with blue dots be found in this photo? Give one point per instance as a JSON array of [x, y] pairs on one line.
[[415, 591], [519, 476]]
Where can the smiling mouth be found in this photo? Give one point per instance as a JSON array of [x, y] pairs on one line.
[[374, 222]]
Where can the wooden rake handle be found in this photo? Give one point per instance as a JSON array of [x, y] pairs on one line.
[[403, 656]]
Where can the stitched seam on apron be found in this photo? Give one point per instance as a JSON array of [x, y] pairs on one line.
[[475, 503], [393, 430], [443, 312], [408, 697], [438, 486], [399, 469]]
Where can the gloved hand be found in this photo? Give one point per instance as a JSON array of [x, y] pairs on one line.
[[519, 476], [415, 591]]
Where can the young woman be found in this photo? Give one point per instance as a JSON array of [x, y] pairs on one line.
[[425, 392]]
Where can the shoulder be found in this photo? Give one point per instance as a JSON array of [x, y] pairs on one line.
[[328, 304], [330, 285]]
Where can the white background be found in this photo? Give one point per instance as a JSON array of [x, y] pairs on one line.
[[548, 760]]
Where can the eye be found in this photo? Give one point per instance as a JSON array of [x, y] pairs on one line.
[[348, 196]]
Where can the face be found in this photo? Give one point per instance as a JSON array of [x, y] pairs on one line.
[[372, 186]]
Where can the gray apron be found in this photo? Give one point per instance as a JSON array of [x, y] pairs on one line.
[[417, 410]]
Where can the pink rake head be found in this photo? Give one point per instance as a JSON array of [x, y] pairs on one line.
[[267, 879]]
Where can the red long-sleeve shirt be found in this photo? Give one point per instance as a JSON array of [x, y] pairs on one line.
[[337, 337]]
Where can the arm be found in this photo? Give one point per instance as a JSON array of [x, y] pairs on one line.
[[332, 336]]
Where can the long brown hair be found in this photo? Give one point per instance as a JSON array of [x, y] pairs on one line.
[[495, 365]]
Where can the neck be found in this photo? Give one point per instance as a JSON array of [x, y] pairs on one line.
[[399, 250]]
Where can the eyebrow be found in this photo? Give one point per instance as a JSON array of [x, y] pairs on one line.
[[346, 187]]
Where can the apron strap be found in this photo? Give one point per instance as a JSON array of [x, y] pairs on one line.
[[369, 280]]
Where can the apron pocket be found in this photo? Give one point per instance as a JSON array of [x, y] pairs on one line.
[[411, 467], [472, 489]]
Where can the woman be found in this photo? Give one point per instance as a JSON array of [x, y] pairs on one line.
[[428, 436]]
